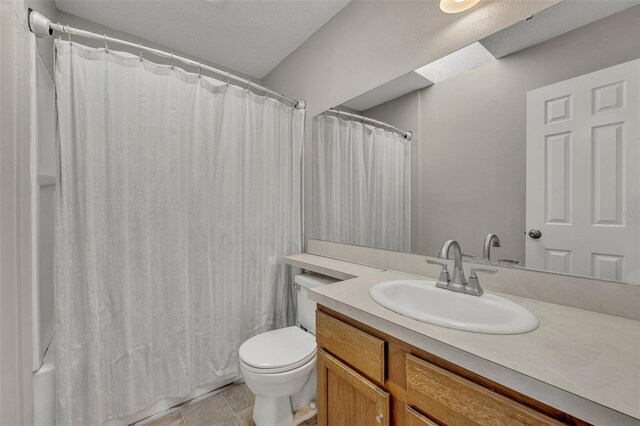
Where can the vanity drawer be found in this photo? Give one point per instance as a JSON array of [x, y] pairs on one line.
[[361, 350], [413, 418], [454, 400]]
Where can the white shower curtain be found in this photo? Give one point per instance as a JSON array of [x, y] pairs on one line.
[[178, 197], [361, 184]]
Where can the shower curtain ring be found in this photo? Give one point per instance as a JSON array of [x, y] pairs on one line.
[[248, 84], [172, 60], [140, 51], [227, 77], [200, 70], [106, 46], [68, 33]]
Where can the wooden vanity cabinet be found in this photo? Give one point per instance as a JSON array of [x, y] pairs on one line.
[[449, 397], [360, 349], [413, 418], [347, 398], [366, 377]]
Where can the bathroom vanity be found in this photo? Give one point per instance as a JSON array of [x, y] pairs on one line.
[[376, 366], [368, 377]]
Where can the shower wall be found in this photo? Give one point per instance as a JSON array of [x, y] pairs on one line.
[[43, 170], [43, 187]]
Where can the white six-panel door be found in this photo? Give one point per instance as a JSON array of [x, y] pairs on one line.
[[583, 175]]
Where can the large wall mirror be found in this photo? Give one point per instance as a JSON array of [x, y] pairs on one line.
[[523, 146]]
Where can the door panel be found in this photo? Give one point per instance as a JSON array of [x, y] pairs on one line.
[[558, 178], [558, 261]]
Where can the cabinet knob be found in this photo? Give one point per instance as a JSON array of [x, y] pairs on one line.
[[379, 418]]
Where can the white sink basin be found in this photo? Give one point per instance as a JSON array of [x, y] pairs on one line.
[[423, 301]]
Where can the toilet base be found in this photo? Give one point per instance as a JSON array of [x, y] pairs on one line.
[[270, 411], [284, 406], [304, 414], [273, 411]]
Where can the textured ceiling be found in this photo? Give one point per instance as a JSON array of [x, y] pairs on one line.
[[247, 36], [552, 22]]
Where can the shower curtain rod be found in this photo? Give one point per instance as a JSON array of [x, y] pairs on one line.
[[407, 135], [42, 27]]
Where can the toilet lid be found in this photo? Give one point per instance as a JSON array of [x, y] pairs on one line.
[[278, 349]]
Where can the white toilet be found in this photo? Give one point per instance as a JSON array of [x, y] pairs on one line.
[[279, 366]]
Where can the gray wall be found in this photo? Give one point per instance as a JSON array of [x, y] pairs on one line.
[[371, 42], [472, 135]]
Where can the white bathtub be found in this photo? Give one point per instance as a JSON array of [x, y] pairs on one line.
[[44, 390]]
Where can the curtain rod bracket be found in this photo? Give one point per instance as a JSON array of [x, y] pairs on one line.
[[39, 24]]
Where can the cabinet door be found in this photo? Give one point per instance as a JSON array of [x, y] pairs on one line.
[[413, 418], [346, 398]]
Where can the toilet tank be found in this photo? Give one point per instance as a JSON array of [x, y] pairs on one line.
[[306, 311]]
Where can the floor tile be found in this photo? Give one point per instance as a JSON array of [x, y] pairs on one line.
[[229, 421], [245, 417], [171, 419], [239, 397], [313, 421], [206, 412]]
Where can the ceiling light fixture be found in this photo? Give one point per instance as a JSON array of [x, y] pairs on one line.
[[455, 6]]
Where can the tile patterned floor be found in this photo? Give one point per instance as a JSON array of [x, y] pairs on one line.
[[233, 406]]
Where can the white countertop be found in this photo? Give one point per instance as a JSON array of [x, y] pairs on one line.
[[584, 363], [338, 269]]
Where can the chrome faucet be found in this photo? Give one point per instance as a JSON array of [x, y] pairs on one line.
[[492, 240], [458, 282]]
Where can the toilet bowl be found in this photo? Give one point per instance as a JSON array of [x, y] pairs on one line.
[[279, 366]]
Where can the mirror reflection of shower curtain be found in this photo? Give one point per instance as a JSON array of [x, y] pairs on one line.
[[361, 184], [178, 198]]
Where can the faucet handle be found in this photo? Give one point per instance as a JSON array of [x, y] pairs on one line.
[[485, 270], [443, 280], [473, 286], [433, 262]]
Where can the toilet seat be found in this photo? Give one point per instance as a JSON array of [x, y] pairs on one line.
[[278, 351]]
